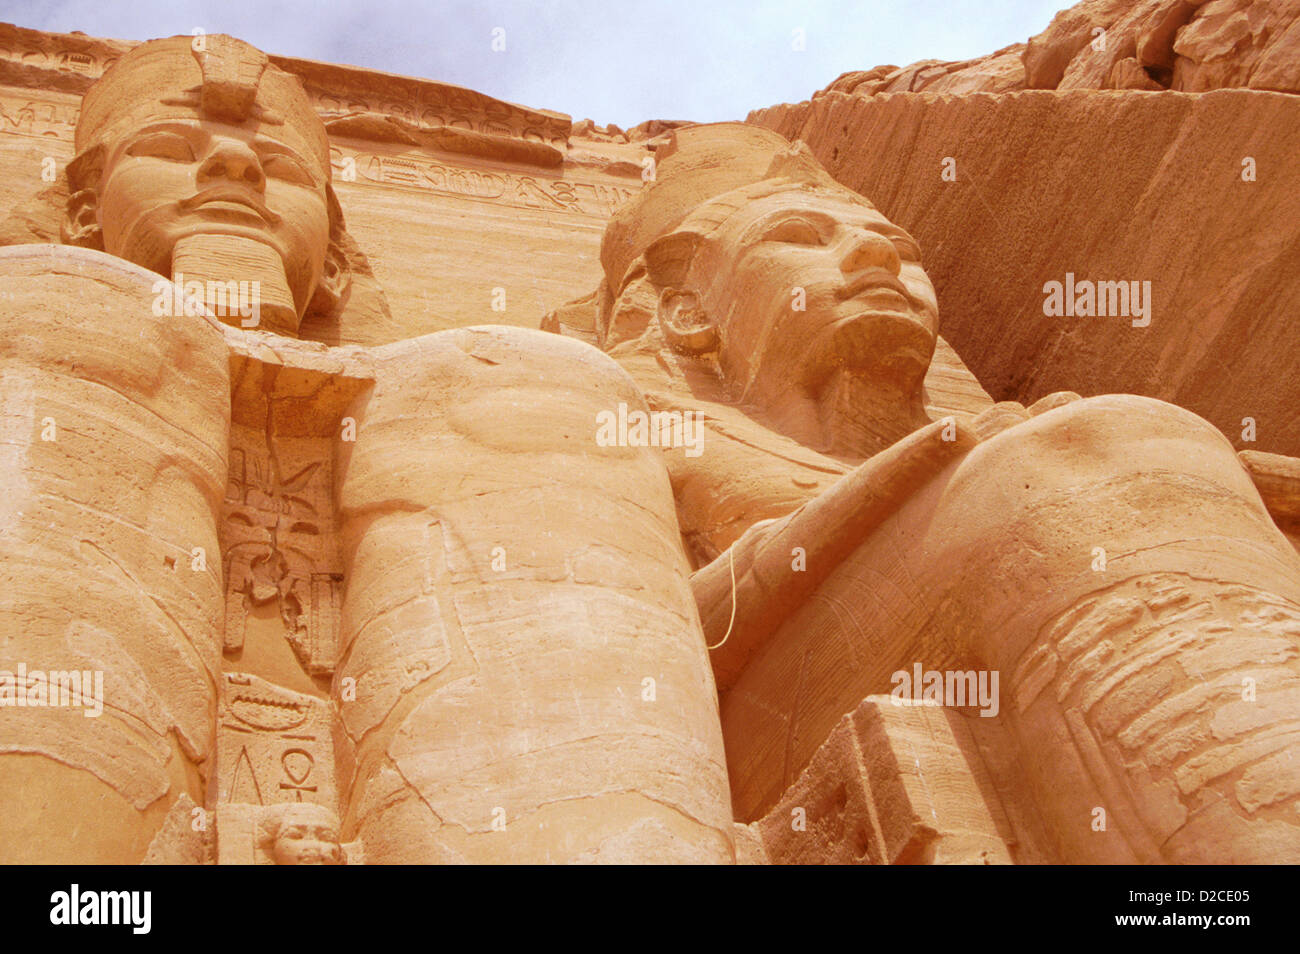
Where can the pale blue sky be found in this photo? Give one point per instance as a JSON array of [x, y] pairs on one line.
[[611, 61]]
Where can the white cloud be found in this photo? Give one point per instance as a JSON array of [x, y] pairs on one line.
[[609, 60]]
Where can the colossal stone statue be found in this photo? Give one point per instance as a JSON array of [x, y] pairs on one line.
[[404, 585], [225, 173], [497, 595], [1109, 558]]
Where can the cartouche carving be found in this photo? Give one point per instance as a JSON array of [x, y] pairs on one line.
[[398, 601], [432, 599]]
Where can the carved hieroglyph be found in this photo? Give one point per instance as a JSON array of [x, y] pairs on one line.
[[420, 609], [405, 603]]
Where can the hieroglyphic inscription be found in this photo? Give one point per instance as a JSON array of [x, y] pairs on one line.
[[277, 542], [278, 529], [22, 115], [273, 745], [507, 188]]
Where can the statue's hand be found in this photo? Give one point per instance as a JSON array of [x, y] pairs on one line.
[[777, 565], [1007, 414]]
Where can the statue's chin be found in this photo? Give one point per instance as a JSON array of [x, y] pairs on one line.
[[151, 239], [888, 346]]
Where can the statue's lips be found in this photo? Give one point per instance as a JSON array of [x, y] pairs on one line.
[[228, 200], [878, 289]]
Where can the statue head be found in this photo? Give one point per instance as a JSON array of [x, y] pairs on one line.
[[197, 147], [756, 257], [300, 833]]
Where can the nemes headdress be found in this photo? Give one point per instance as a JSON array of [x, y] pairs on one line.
[[704, 174], [215, 76]]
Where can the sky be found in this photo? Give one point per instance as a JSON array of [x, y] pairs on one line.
[[616, 61]]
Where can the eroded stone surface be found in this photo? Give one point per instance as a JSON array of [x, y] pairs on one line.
[[942, 542], [543, 509]]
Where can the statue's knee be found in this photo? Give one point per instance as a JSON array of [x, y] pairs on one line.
[[1103, 439]]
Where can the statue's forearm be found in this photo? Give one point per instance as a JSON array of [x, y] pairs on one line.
[[770, 583]]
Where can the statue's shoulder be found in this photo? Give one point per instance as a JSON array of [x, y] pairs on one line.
[[74, 261], [505, 354]]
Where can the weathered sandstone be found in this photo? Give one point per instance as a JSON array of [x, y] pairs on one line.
[[908, 476]]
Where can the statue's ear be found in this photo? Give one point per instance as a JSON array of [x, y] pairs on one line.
[[80, 224], [669, 264], [334, 281], [686, 326], [336, 277]]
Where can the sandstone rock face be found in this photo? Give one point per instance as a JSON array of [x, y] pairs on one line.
[[1189, 45], [1118, 178], [1000, 72], [1192, 46], [396, 475]]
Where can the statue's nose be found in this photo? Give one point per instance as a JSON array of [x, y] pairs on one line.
[[233, 160], [867, 249]]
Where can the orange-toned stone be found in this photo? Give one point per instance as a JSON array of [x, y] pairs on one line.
[[677, 494]]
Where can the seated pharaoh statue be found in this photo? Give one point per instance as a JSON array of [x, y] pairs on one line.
[[1110, 558], [405, 584], [274, 599]]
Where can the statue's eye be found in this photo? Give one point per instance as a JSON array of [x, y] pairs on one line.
[[163, 145], [908, 250], [287, 169], [794, 231]]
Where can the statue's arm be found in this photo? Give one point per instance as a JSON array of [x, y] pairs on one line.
[[818, 537]]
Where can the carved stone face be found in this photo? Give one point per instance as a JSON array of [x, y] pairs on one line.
[[803, 283], [307, 835], [172, 179]]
